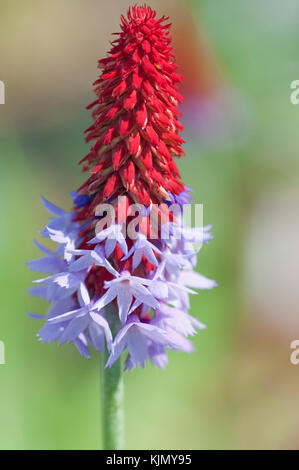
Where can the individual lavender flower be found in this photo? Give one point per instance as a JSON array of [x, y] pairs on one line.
[[112, 235], [136, 338], [142, 247], [123, 288], [85, 318]]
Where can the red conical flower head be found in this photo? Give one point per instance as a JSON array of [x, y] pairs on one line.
[[135, 133]]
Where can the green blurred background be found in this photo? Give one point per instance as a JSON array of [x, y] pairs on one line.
[[239, 389]]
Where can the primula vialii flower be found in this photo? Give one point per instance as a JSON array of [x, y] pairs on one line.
[[97, 265]]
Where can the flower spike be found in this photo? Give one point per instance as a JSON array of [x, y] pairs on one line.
[[123, 245]]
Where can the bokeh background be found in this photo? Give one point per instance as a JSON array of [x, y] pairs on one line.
[[239, 389]]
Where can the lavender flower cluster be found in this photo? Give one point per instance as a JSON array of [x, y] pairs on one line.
[[162, 296]]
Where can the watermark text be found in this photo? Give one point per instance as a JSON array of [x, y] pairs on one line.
[[294, 97], [294, 357], [2, 92], [2, 352], [159, 221]]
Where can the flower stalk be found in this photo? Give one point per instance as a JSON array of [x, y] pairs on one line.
[[112, 405], [112, 395]]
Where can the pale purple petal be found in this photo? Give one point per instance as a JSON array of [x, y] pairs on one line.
[[104, 325], [137, 257], [124, 300], [67, 316], [137, 345], [158, 355], [83, 295], [144, 296], [81, 345], [67, 280], [157, 335], [129, 365], [47, 264], [55, 210], [148, 253], [42, 248], [35, 316], [75, 327], [118, 346], [122, 243], [196, 280], [40, 292], [64, 305], [106, 298], [50, 333], [159, 289], [179, 342], [110, 246], [81, 263], [97, 336]]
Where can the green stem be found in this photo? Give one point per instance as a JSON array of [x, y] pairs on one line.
[[112, 393]]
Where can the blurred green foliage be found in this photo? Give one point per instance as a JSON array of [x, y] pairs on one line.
[[49, 395]]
